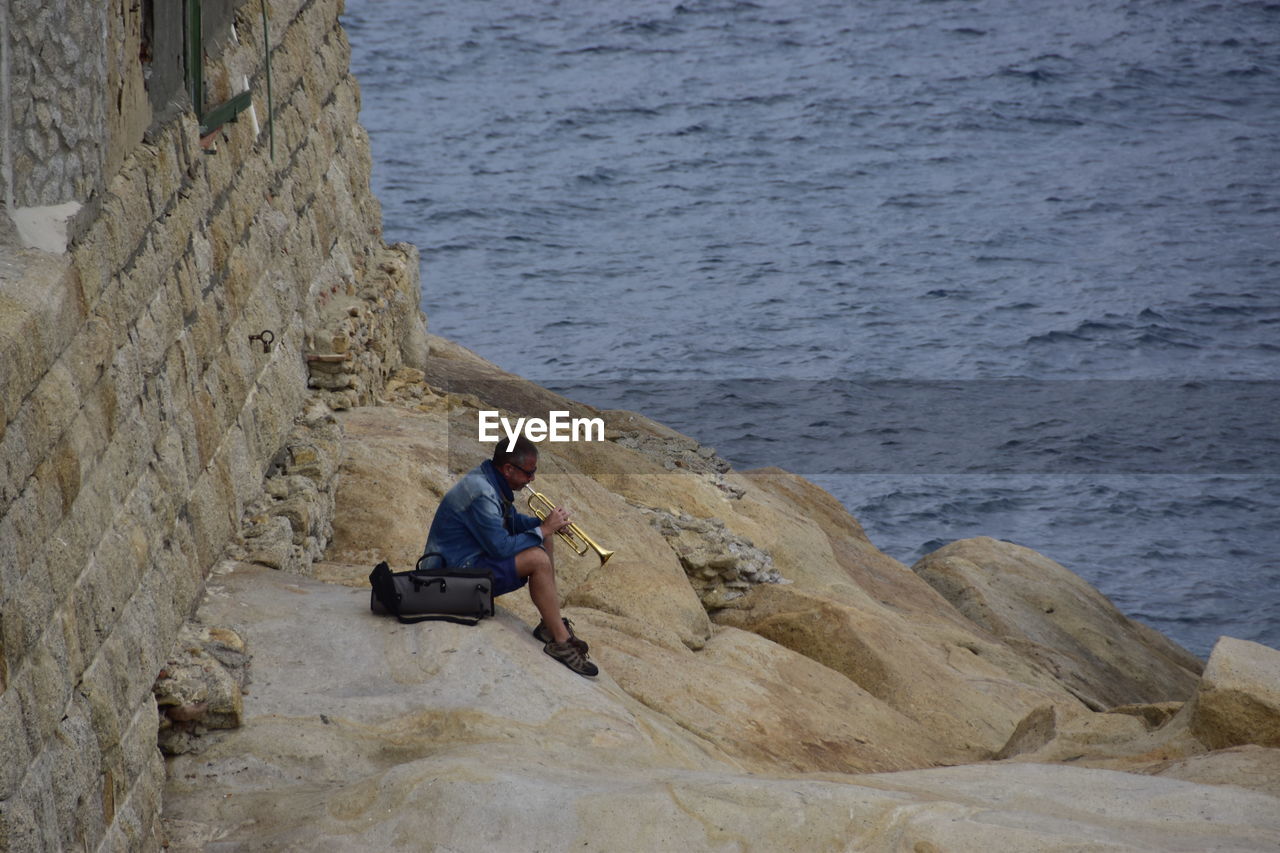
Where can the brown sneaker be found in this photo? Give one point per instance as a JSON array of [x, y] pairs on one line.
[[573, 657], [542, 635]]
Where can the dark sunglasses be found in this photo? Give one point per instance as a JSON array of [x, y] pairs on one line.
[[529, 474]]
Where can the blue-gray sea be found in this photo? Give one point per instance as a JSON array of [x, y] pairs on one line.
[[978, 267]]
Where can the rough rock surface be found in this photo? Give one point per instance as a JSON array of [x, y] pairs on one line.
[[1238, 700], [768, 726], [201, 687], [442, 737], [1057, 621], [719, 565]]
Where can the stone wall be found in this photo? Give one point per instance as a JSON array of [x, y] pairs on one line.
[[138, 417], [57, 64]]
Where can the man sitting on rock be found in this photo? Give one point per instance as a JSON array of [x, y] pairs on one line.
[[477, 525]]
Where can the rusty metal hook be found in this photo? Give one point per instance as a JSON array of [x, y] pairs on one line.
[[267, 337]]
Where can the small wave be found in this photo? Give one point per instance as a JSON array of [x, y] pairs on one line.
[[1054, 337], [1094, 327], [689, 130], [909, 201], [599, 176], [453, 215], [1061, 121], [1169, 337], [1035, 75], [652, 27], [1251, 71], [1005, 259], [595, 49], [710, 8]]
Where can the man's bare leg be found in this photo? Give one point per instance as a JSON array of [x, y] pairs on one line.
[[538, 565]]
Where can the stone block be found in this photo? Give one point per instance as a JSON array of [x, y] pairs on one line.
[[1238, 699], [180, 223], [170, 471], [100, 410], [29, 608], [137, 797], [105, 587], [38, 424], [103, 684], [142, 275], [20, 549], [14, 457], [207, 332], [62, 471], [188, 573], [142, 760], [152, 626], [244, 466], [40, 313], [172, 572], [241, 360], [184, 425], [126, 381], [15, 745], [169, 166], [89, 354], [66, 623], [98, 689], [91, 258], [132, 210], [82, 526], [22, 820], [208, 510], [123, 461], [76, 776], [217, 169], [199, 688], [147, 513], [144, 663], [44, 687], [208, 429], [222, 237]]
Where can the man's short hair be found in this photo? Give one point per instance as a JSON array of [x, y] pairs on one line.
[[523, 452]]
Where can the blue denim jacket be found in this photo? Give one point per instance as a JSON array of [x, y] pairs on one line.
[[478, 517]]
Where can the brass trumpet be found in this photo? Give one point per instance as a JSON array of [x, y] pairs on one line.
[[571, 533]]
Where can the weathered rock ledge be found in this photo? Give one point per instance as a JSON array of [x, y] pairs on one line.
[[770, 680]]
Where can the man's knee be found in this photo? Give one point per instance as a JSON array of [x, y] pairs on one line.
[[532, 560]]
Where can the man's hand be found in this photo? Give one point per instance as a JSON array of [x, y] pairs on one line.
[[555, 520]]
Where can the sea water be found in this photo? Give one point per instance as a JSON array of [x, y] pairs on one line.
[[978, 267]]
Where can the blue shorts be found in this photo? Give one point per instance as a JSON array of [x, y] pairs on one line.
[[505, 579]]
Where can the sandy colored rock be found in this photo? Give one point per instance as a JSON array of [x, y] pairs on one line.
[[768, 728], [1053, 618], [959, 686], [397, 464], [845, 604], [1256, 768], [201, 687], [769, 708], [392, 476], [1238, 699], [470, 739]]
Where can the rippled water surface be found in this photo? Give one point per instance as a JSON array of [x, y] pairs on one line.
[[978, 267]]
